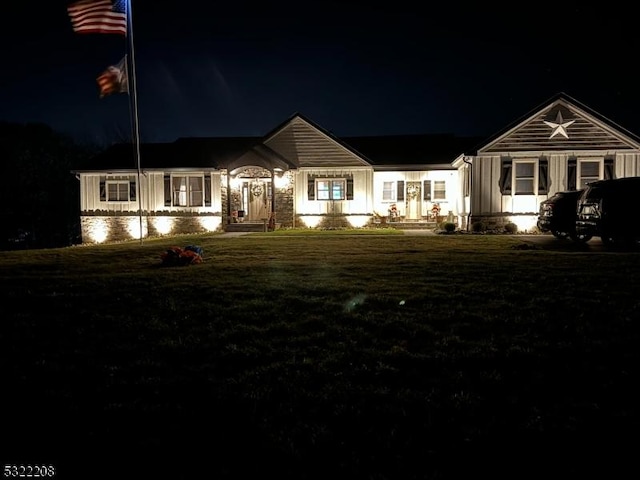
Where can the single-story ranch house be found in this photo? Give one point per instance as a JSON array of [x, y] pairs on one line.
[[301, 175]]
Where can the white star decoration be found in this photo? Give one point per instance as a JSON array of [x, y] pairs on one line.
[[559, 126]]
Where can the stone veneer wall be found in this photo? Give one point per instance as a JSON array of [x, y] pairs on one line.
[[284, 206], [118, 226]]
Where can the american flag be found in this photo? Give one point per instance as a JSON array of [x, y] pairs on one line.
[[99, 16], [114, 79]]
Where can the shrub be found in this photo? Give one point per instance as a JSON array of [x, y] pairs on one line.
[[448, 227], [478, 227], [511, 228]]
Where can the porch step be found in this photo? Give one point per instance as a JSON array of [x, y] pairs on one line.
[[247, 227], [410, 225]]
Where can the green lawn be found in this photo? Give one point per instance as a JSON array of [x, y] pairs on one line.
[[318, 357]]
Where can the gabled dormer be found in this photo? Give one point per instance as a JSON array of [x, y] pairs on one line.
[[560, 124]]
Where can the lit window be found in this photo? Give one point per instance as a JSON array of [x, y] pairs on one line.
[[524, 178], [331, 189], [439, 190], [590, 171], [117, 191], [389, 191], [188, 191]]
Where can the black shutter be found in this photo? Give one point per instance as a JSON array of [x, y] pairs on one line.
[[543, 176], [572, 166], [349, 188], [311, 188], [426, 187], [207, 190], [167, 190], [400, 190], [505, 176], [132, 189], [609, 168], [103, 190]]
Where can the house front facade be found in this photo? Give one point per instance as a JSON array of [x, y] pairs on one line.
[[300, 175]]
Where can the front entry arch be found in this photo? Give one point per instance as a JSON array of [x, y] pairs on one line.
[[251, 194]]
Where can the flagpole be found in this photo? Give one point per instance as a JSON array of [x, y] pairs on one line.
[[134, 101]]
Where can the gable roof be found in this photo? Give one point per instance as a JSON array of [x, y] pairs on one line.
[[560, 123], [307, 144]]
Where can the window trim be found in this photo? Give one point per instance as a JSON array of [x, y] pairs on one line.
[[579, 177], [393, 190], [125, 183], [330, 191], [189, 192], [443, 190], [514, 176]]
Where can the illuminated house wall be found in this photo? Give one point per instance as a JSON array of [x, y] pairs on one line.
[[320, 180], [107, 219], [560, 146], [439, 187]]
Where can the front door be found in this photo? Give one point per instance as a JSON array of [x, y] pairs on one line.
[[256, 200], [414, 202]]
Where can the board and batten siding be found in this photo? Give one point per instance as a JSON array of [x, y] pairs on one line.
[[362, 202], [151, 192], [452, 190], [90, 193], [306, 146]]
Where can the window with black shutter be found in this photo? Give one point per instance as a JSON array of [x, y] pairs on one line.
[[167, 190], [505, 176], [400, 190], [311, 188], [349, 188], [609, 168], [207, 190], [103, 189], [543, 176], [426, 189], [572, 165], [132, 188]]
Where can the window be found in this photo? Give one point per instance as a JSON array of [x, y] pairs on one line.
[[118, 188], [187, 191], [388, 191], [524, 173], [117, 191], [590, 171], [331, 189], [439, 190]]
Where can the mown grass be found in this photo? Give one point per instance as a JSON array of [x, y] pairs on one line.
[[300, 357]]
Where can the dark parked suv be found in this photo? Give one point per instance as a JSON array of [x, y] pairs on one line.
[[558, 215], [608, 209]]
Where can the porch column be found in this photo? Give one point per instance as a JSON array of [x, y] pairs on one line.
[[228, 197]]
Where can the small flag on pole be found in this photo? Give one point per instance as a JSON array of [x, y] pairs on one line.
[[114, 79], [99, 16]]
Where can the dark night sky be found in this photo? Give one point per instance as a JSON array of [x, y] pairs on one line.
[[208, 68]]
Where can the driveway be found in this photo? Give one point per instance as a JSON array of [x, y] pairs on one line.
[[549, 242]]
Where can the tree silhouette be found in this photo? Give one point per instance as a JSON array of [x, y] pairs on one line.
[[39, 198]]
